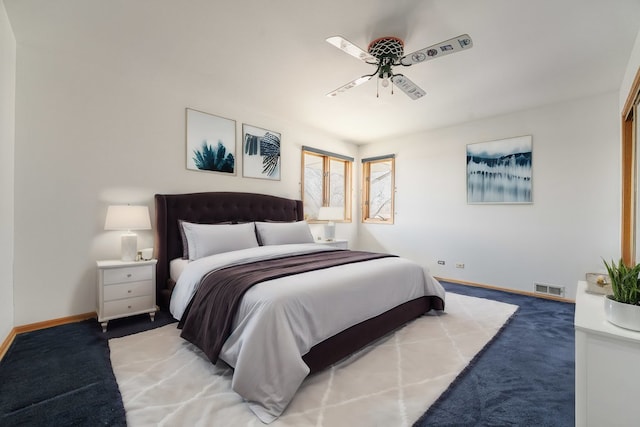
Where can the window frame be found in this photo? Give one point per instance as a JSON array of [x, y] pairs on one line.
[[366, 188], [629, 176], [327, 157]]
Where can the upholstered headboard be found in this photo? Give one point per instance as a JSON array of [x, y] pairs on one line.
[[209, 208]]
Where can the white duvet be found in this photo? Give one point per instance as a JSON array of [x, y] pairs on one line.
[[278, 321]]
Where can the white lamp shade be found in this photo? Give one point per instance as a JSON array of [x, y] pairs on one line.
[[127, 217], [330, 213]]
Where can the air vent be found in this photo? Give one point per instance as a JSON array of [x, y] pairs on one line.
[[543, 288]]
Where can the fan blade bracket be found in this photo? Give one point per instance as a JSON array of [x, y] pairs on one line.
[[351, 49], [456, 44], [412, 90], [351, 84]]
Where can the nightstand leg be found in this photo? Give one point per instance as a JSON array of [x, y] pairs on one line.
[[104, 326], [153, 316]]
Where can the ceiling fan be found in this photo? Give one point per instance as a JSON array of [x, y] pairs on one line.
[[388, 52]]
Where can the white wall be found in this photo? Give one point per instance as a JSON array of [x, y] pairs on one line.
[[7, 118], [574, 219], [90, 134]]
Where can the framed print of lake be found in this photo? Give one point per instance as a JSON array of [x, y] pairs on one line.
[[500, 171]]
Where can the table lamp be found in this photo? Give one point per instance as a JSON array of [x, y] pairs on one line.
[[127, 217], [329, 214]]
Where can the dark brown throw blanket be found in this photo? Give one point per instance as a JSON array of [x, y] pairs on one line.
[[208, 318]]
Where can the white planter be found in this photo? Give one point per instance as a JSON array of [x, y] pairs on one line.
[[624, 315]]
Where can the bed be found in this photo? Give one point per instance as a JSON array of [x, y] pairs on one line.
[[337, 309]]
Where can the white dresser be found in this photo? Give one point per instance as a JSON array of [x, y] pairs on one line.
[[607, 361], [125, 288]]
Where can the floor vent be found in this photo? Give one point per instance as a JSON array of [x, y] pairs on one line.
[[543, 288]]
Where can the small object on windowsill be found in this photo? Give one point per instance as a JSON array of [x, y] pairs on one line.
[[598, 283]]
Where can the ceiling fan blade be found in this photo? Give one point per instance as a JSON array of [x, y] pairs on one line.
[[350, 48], [353, 83], [446, 47], [407, 86]]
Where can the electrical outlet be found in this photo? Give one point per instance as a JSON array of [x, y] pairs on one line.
[[441, 262], [459, 265]]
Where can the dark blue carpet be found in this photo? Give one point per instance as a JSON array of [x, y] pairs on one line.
[[62, 376], [524, 377]]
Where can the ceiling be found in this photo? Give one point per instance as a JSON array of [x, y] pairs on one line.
[[273, 53]]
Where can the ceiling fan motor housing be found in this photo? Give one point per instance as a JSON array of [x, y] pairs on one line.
[[387, 47]]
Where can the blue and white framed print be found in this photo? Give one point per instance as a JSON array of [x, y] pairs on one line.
[[211, 142], [261, 153], [500, 171]]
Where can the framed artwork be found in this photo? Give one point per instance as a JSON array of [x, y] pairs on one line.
[[500, 171], [211, 142], [261, 153]]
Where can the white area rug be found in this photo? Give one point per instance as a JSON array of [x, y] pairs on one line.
[[166, 381]]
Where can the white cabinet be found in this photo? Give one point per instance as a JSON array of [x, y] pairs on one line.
[[337, 243], [125, 288], [607, 374]]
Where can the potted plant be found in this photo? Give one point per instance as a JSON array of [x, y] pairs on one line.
[[622, 308]]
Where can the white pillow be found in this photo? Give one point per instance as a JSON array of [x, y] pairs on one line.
[[283, 233], [210, 239]]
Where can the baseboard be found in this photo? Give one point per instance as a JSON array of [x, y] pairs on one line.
[[513, 291], [6, 344]]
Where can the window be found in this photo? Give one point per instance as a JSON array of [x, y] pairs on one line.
[[326, 182], [378, 189], [630, 175]]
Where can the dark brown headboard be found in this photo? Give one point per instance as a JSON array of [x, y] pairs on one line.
[[209, 208]]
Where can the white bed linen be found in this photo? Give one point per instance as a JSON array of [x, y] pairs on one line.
[[176, 266], [188, 282], [278, 321]]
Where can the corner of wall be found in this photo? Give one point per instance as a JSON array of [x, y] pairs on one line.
[[7, 149]]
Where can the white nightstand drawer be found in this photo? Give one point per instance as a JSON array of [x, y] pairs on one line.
[[127, 290], [127, 274], [128, 306]]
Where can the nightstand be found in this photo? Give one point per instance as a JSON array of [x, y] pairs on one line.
[[126, 288], [337, 243]]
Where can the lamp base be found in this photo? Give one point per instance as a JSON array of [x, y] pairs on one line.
[[330, 231], [129, 248]]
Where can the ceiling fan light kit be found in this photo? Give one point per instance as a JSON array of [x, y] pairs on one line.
[[388, 52]]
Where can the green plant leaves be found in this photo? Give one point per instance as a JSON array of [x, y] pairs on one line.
[[624, 282], [212, 159]]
